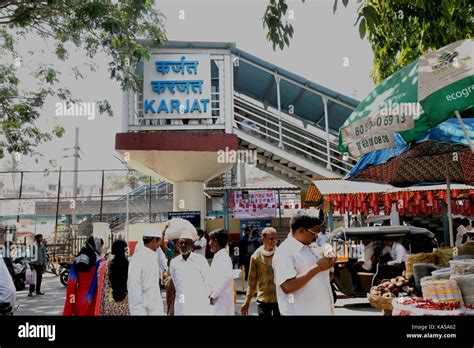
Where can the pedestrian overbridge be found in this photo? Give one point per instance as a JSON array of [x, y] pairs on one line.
[[200, 99], [283, 118]]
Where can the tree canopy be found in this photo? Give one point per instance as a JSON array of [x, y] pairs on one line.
[[399, 31], [96, 26]]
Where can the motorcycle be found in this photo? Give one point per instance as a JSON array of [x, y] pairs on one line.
[[6, 308], [64, 268], [20, 265]]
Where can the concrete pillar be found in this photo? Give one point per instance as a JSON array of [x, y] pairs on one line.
[[102, 230], [189, 196], [125, 110]]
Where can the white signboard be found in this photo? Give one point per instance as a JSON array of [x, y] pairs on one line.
[[17, 207], [177, 86]]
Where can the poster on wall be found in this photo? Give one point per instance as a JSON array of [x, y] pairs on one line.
[[253, 204], [194, 217], [260, 224], [177, 86]]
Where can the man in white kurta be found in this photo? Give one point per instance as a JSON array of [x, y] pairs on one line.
[[190, 277], [302, 275], [200, 244], [222, 277], [144, 295]]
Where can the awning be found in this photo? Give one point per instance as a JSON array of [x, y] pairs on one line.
[[346, 186]]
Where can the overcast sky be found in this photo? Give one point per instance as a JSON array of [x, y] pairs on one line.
[[321, 42]]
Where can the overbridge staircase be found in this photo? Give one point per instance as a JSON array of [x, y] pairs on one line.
[[298, 155]]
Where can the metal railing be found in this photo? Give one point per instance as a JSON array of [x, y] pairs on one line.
[[265, 125]]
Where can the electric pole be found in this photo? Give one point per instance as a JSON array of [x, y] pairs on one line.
[[74, 185]]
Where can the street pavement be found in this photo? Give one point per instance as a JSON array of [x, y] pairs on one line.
[[53, 302]]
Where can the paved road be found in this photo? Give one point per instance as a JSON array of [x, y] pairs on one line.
[[53, 302]]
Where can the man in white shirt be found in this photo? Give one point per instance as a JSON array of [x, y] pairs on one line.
[[323, 236], [302, 275], [398, 255], [160, 255], [366, 259], [190, 273], [222, 277], [460, 226], [143, 285], [200, 243], [364, 264]]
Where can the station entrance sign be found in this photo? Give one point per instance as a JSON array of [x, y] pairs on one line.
[[177, 86]]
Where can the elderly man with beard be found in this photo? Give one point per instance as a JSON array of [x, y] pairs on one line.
[[261, 277], [190, 273]]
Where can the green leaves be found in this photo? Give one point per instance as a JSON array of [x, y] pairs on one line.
[[398, 31], [58, 131], [278, 34], [362, 28], [109, 25]]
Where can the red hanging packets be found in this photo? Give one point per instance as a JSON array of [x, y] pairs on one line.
[[430, 197], [373, 199], [342, 209], [418, 197], [359, 202], [376, 209], [466, 207], [442, 195], [333, 199], [387, 203], [416, 210], [347, 201], [406, 200], [365, 208], [423, 207], [454, 208]]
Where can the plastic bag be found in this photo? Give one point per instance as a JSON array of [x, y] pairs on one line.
[[30, 278]]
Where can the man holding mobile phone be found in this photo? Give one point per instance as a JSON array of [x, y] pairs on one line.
[[302, 276]]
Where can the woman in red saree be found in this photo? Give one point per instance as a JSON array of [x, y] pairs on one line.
[[82, 285]]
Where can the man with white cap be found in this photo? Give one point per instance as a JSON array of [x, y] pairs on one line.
[[161, 257], [143, 284], [189, 272]]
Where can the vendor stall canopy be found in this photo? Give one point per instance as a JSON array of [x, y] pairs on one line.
[[327, 187]]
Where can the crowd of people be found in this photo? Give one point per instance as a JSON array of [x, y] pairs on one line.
[[291, 278], [114, 285]]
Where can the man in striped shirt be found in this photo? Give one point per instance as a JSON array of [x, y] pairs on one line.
[[261, 277]]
